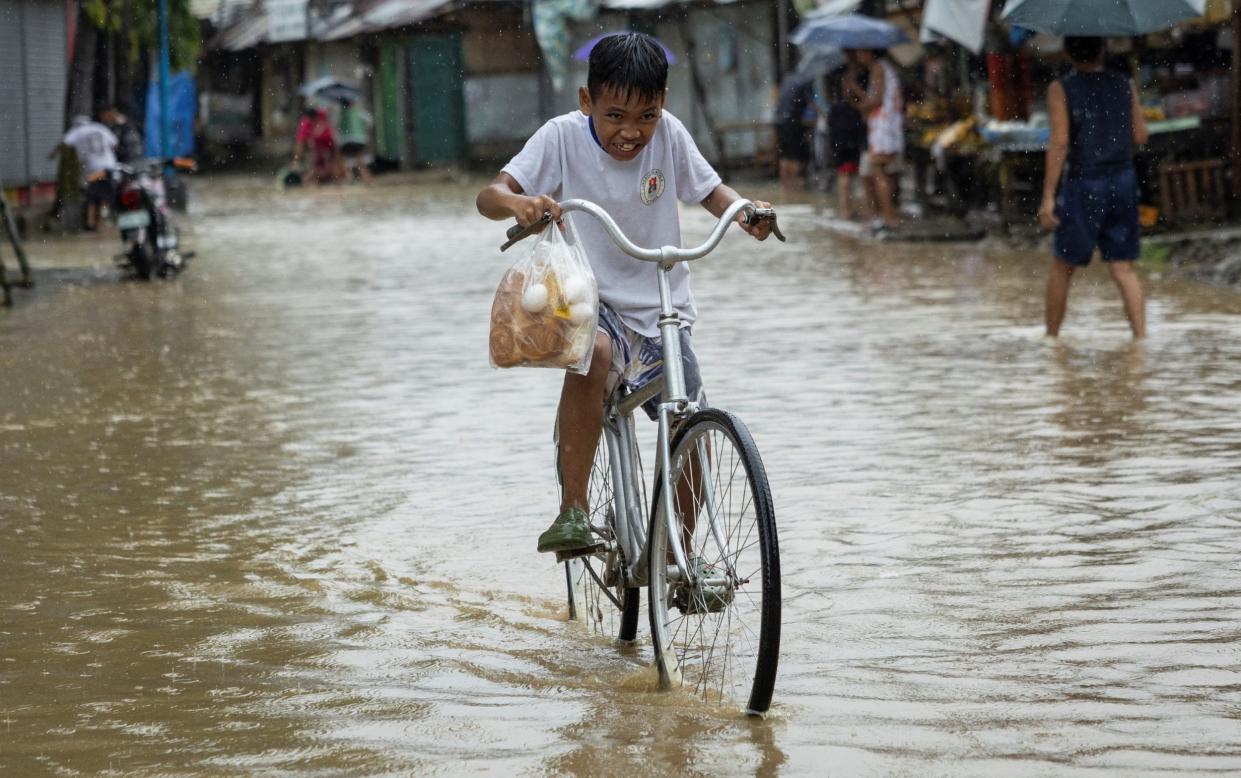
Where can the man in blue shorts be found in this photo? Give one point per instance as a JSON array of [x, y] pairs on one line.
[[625, 152], [1096, 119]]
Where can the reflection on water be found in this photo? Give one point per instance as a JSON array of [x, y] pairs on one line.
[[278, 515]]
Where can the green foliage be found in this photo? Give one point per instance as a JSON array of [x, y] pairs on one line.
[[1155, 255], [138, 22]]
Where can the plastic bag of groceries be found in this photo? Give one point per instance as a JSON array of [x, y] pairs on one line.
[[547, 306]]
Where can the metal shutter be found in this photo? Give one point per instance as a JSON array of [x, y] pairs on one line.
[[33, 72], [13, 156]]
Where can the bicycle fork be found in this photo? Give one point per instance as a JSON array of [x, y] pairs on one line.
[[680, 571]]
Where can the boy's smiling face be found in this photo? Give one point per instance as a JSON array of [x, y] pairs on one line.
[[624, 124]]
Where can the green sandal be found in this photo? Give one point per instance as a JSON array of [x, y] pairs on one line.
[[569, 532]]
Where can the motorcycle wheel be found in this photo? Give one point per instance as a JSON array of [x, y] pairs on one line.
[[144, 257], [171, 261]]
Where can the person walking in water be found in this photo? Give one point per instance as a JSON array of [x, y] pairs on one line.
[[1090, 189]]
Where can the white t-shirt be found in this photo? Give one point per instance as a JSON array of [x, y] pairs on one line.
[[564, 160], [95, 144]]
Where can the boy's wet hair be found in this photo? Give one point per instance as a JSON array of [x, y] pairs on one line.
[[1084, 49], [629, 63]]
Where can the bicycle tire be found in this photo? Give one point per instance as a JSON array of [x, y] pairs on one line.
[[730, 651], [610, 610]]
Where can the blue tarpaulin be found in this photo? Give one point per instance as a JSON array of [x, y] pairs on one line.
[[182, 107]]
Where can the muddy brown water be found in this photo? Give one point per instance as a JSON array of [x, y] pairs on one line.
[[278, 515]]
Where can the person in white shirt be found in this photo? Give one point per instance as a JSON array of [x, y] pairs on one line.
[[623, 151], [96, 148]]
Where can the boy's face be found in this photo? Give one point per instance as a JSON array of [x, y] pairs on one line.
[[624, 126]]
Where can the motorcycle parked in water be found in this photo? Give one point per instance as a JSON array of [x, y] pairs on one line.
[[152, 243]]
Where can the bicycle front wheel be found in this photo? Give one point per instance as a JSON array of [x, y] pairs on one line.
[[597, 596], [717, 633]]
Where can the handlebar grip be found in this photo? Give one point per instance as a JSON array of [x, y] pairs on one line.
[[518, 232], [758, 214]]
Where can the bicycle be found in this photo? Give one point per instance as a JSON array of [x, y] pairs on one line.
[[713, 598]]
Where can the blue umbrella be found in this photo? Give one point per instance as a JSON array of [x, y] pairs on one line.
[[817, 60], [850, 31], [583, 53], [1098, 18]]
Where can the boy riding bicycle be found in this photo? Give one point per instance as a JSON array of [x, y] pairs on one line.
[[621, 150]]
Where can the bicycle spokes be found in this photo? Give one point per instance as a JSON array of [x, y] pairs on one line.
[[718, 620]]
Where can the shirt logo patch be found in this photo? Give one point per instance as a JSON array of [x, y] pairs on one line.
[[651, 186]]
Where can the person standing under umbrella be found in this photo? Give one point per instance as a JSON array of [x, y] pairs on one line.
[[794, 117], [355, 127], [847, 131], [1090, 189], [882, 105]]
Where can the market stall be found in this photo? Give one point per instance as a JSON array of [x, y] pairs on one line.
[[987, 152]]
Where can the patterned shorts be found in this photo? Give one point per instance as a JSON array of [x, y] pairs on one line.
[[638, 359]]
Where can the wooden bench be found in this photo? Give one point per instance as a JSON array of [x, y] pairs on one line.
[[1192, 191]]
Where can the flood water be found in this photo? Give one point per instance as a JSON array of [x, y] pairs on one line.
[[278, 515]]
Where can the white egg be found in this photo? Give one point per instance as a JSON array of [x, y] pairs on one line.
[[581, 311], [534, 299], [575, 288]]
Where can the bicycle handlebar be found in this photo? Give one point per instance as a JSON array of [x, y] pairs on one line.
[[666, 254]]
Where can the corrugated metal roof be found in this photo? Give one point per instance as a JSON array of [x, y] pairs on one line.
[[244, 34], [221, 11], [385, 15], [652, 5], [364, 17]]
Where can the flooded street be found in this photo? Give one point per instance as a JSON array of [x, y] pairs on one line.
[[279, 515]]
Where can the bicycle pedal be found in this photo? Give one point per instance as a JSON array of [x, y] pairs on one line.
[[574, 553]]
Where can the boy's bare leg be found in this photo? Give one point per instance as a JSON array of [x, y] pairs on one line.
[[690, 495], [1131, 294], [1057, 297], [581, 422]]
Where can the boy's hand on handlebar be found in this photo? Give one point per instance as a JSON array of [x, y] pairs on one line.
[[528, 210], [760, 228]]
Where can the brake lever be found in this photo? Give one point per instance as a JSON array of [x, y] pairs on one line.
[[758, 214], [518, 232]]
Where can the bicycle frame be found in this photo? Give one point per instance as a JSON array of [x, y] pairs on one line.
[[675, 406]]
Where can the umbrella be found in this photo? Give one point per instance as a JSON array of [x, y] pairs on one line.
[[583, 53], [818, 60], [331, 88], [1103, 18], [850, 31]]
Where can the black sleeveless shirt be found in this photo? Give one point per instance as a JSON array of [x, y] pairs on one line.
[[1100, 123]]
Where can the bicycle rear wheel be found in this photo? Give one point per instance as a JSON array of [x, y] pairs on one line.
[[719, 634], [596, 594]]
